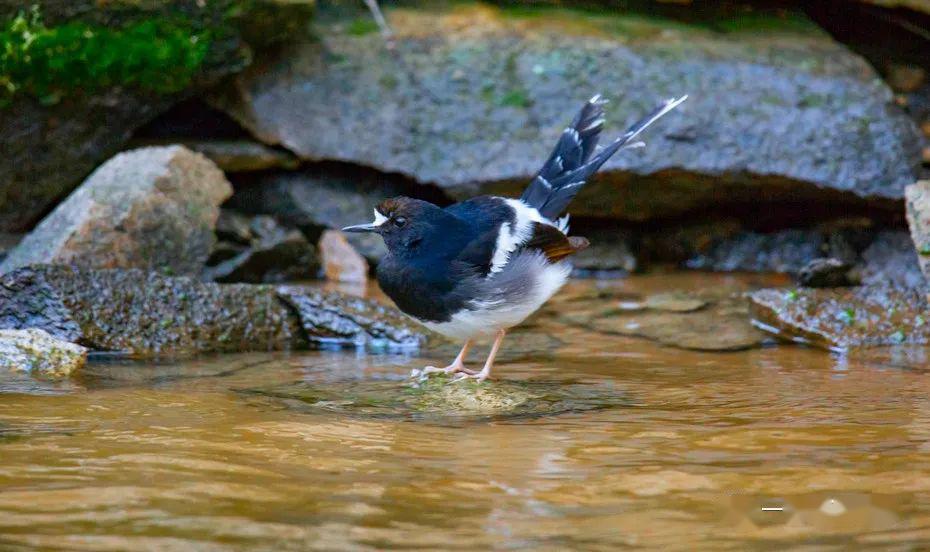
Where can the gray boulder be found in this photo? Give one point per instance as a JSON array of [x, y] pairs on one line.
[[152, 208], [788, 113]]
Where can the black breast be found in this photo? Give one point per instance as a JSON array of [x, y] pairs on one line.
[[428, 293]]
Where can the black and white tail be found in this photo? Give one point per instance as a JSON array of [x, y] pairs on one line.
[[570, 164]]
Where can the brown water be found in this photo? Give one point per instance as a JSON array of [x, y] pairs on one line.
[[177, 456]]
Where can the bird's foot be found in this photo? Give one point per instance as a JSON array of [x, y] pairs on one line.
[[453, 369], [479, 377]]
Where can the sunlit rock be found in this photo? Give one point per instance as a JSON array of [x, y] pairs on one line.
[[36, 352]]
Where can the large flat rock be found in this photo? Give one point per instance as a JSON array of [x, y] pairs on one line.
[[145, 314], [787, 114]]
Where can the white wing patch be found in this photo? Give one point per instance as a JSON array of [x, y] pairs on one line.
[[512, 236]]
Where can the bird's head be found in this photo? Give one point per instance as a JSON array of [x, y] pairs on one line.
[[404, 223]]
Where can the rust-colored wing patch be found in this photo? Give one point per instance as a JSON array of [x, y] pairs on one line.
[[554, 243]]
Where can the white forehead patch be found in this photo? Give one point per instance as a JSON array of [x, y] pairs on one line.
[[379, 219]]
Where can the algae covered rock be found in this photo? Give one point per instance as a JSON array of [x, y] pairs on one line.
[[152, 208], [36, 352], [440, 399], [146, 314], [788, 114], [842, 318]]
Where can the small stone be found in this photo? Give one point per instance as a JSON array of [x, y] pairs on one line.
[[827, 273], [906, 78], [276, 254], [234, 226], [341, 262], [675, 302], [36, 352], [150, 208], [832, 507]]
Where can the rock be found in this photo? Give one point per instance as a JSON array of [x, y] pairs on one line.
[[234, 227], [36, 352], [318, 198], [437, 398], [53, 137], [341, 319], [496, 85], [828, 272], [712, 320], [235, 156], [609, 253], [906, 78], [842, 318], [918, 219], [341, 262], [891, 260], [151, 208], [146, 314], [783, 251], [275, 254], [675, 301]]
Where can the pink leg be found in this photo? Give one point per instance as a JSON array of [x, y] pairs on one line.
[[485, 372], [457, 366]]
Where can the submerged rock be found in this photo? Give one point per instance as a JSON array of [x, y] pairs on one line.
[[151, 208], [274, 254], [495, 86], [341, 262], [711, 320], [843, 318], [918, 219], [145, 314], [438, 398], [36, 352]]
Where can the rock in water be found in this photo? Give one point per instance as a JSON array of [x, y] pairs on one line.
[[38, 353], [341, 261], [918, 219], [863, 316], [151, 208], [145, 314], [495, 87]]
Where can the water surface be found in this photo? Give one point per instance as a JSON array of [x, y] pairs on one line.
[[763, 449]]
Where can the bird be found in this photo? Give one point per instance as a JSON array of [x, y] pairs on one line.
[[482, 266]]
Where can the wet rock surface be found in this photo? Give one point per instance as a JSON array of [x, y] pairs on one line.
[[825, 121], [36, 352], [144, 314], [151, 208], [271, 253], [710, 320], [844, 318], [337, 320], [440, 399], [917, 201]]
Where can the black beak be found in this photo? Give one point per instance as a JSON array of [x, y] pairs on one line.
[[361, 228]]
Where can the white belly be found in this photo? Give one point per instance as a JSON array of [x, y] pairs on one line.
[[486, 317]]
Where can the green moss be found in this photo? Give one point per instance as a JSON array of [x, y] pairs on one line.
[[362, 27], [48, 63], [516, 98]]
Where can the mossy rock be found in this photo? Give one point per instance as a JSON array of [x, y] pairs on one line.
[[440, 399]]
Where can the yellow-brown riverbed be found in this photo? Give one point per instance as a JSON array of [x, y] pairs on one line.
[[768, 448]]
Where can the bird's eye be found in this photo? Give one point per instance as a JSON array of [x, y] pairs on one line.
[[400, 222]]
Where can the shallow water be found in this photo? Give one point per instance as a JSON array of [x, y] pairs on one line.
[[685, 450]]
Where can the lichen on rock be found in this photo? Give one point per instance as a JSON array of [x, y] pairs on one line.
[[36, 352]]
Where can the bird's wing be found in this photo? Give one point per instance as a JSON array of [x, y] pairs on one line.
[[504, 226]]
